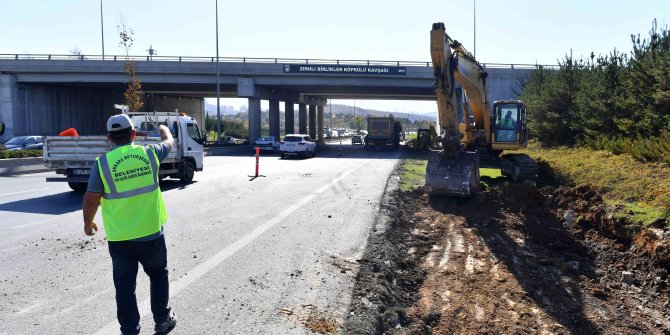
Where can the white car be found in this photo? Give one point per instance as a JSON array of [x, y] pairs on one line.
[[297, 145], [267, 143]]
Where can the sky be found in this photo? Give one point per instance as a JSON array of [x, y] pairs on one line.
[[507, 31]]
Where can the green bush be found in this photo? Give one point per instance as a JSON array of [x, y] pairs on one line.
[[20, 153], [643, 149]]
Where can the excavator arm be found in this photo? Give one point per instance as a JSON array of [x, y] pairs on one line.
[[453, 171], [455, 67]]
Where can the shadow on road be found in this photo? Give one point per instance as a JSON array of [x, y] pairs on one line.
[[55, 204], [68, 202], [174, 184]]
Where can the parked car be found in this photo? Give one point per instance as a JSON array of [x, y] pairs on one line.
[[267, 143], [297, 145], [24, 143], [357, 139], [228, 140]]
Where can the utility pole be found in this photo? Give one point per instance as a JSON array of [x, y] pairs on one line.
[[218, 79], [102, 32], [354, 118], [474, 28]]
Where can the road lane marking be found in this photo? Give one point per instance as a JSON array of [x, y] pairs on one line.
[[37, 189], [30, 308], [208, 265], [36, 223], [80, 303]]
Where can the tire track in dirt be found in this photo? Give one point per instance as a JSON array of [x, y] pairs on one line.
[[507, 262]]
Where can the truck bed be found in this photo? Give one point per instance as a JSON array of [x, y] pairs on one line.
[[63, 152]]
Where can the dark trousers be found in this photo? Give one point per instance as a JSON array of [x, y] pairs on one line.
[[153, 257]]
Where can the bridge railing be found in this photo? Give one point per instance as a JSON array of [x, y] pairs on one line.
[[256, 60]]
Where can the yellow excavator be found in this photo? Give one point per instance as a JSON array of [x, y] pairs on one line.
[[471, 135]]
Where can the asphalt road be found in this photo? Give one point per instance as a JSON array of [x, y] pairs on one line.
[[270, 255]]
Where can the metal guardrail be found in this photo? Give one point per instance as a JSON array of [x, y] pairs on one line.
[[113, 58]]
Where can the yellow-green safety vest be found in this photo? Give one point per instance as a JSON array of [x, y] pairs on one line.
[[132, 204], [507, 123]]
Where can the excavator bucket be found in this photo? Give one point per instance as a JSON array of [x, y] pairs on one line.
[[455, 176]]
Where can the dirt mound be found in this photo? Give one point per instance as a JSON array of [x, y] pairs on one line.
[[513, 259]]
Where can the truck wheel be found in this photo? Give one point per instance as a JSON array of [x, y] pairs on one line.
[[78, 187], [187, 172]]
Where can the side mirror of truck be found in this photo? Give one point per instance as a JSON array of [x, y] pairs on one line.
[[2, 128]]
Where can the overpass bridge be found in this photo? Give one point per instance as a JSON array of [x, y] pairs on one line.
[[44, 94]]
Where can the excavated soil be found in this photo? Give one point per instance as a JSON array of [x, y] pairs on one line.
[[515, 259]]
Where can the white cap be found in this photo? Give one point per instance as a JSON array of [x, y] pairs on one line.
[[118, 122]]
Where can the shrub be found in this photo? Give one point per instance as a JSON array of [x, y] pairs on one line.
[[20, 153]]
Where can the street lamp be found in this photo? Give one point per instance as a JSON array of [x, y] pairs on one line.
[[474, 28], [102, 32]]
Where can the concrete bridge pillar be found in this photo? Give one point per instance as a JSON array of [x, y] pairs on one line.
[[289, 118], [302, 118], [312, 122], [319, 126], [274, 118], [9, 102], [254, 119]]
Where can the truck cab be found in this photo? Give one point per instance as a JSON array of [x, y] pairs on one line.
[[188, 140]]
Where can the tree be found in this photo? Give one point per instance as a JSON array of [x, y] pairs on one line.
[[618, 102], [133, 93], [358, 122], [76, 53]]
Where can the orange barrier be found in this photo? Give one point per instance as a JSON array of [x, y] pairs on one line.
[[258, 152], [69, 132]]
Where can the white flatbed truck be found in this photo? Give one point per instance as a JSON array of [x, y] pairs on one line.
[[73, 156]]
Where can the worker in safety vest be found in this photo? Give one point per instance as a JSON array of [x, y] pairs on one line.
[[124, 182], [507, 122]]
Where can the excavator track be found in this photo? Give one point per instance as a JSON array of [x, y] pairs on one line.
[[525, 167]]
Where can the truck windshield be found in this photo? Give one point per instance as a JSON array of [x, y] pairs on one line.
[[151, 126], [193, 132]]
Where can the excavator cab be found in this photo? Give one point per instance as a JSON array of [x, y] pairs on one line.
[[508, 121]]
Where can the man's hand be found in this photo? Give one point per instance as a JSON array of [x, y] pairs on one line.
[[166, 136], [89, 208], [90, 228]]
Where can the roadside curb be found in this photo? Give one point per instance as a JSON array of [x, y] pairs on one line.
[[17, 166]]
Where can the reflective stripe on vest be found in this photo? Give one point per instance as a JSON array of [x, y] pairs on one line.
[[132, 205], [114, 194]]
